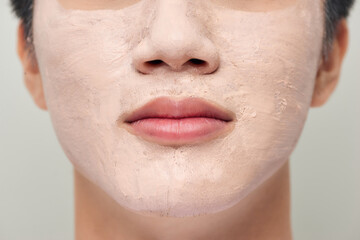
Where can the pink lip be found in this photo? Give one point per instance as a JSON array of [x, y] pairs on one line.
[[169, 122]]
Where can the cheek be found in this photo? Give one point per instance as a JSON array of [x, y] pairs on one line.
[[84, 62], [84, 82], [273, 65]]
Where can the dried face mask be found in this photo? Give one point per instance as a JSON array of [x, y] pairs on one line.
[[268, 62]]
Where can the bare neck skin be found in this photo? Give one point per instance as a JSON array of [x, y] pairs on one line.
[[264, 214]]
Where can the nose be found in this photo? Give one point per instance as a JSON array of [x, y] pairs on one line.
[[176, 42]]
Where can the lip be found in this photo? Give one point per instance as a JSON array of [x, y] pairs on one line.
[[170, 122]]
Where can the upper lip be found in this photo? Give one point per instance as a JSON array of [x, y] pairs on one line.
[[164, 107]]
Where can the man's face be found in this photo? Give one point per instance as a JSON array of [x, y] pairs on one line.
[[262, 58]]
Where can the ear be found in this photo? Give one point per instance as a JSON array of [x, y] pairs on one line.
[[330, 68], [32, 76]]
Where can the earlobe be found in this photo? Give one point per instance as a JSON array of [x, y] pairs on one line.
[[329, 70], [32, 77]]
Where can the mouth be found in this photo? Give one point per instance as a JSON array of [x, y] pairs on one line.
[[168, 122]]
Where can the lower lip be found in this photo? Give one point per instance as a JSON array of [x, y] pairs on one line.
[[170, 131]]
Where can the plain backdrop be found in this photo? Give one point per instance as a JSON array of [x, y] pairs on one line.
[[36, 181]]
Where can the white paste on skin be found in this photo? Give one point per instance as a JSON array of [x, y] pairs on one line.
[[268, 64]]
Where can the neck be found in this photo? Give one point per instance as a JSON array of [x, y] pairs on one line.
[[263, 214]]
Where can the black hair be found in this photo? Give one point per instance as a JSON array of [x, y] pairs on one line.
[[335, 10], [24, 10]]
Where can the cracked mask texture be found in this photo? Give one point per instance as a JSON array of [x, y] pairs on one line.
[[268, 64]]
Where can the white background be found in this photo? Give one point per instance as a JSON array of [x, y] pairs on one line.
[[36, 182]]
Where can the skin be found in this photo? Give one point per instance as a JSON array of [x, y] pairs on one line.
[[98, 212]]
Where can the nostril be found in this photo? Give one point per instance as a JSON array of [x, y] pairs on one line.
[[196, 61], [149, 66], [154, 62]]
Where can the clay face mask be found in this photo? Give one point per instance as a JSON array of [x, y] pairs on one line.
[[268, 63]]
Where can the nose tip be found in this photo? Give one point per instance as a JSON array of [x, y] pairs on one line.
[[175, 42]]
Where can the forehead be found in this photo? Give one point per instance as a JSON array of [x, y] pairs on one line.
[[245, 5]]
